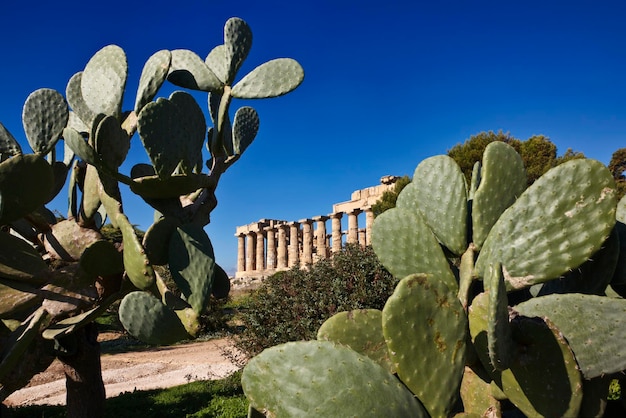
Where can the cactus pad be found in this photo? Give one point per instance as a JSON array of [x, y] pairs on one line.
[[16, 296], [189, 71], [217, 62], [19, 260], [499, 340], [476, 394], [555, 226], [194, 124], [221, 283], [101, 258], [80, 147], [597, 338], [156, 240], [67, 240], [103, 81], [405, 245], [152, 77], [502, 181], [244, 129], [441, 197], [543, 378], [161, 131], [237, 44], [111, 142], [26, 182], [75, 99], [149, 320], [192, 264], [271, 79], [44, 116], [425, 327], [319, 378], [136, 263], [362, 331], [8, 144]]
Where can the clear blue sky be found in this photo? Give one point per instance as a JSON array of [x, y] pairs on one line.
[[387, 84]]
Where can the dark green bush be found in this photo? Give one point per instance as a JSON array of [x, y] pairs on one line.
[[291, 305]]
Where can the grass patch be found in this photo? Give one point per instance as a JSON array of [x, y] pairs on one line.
[[218, 398]]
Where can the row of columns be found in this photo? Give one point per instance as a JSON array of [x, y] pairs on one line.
[[281, 245]]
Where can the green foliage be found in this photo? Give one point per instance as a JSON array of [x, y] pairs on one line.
[[352, 279], [544, 349], [538, 153], [617, 166], [388, 198], [207, 398]]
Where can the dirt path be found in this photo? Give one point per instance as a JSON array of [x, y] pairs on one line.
[[138, 370]]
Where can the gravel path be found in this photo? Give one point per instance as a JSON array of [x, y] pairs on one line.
[[139, 370]]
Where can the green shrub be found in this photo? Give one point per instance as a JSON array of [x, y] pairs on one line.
[[291, 305]]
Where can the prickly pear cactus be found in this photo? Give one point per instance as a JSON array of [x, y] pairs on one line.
[[58, 275], [530, 285]]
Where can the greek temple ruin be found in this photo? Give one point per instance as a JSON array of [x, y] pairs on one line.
[[272, 245]]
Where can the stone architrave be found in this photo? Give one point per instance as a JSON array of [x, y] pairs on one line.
[[321, 247], [369, 220], [260, 251], [241, 252], [282, 246], [353, 226], [307, 241], [294, 244], [336, 230], [286, 245], [250, 253], [270, 235]]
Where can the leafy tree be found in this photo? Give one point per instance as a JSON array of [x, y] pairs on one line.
[[617, 166], [388, 198], [472, 149], [538, 153]]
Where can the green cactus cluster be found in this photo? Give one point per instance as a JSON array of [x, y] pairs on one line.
[[56, 276], [511, 298]]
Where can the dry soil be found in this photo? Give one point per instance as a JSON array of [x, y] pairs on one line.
[[139, 370]]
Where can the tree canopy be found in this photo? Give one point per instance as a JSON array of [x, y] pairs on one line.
[[538, 153], [617, 166]]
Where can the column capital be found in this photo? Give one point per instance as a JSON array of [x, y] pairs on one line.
[[320, 218], [335, 215], [355, 211], [293, 223], [305, 221]]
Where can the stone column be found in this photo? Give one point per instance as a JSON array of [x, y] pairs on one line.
[[241, 253], [336, 230], [369, 220], [250, 254], [362, 237], [282, 246], [307, 241], [260, 251], [353, 226], [322, 242], [270, 235], [294, 245]]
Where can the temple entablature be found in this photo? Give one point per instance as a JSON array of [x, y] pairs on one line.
[[270, 245]]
